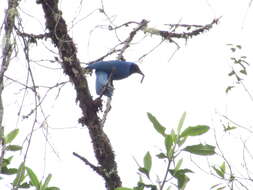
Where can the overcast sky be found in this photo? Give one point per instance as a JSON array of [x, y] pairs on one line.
[[194, 80]]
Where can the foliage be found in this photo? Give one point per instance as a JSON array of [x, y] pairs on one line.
[[175, 143], [22, 173], [239, 66], [57, 31], [8, 147]]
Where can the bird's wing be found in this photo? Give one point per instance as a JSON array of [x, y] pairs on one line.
[[103, 86], [119, 69], [105, 66]]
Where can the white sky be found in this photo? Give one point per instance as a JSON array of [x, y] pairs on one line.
[[194, 81]]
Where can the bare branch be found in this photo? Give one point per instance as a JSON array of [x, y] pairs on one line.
[[127, 42], [185, 35], [107, 109], [95, 168], [33, 37]]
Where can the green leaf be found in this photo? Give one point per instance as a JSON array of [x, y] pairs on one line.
[[182, 179], [158, 127], [229, 128], [13, 148], [201, 149], [47, 180], [221, 170], [20, 175], [123, 188], [221, 188], [34, 180], [239, 46], [144, 171], [195, 131], [216, 185], [10, 136], [231, 73], [233, 49], [24, 185], [52, 188], [218, 171], [180, 172], [9, 171], [229, 88], [161, 155], [178, 165], [147, 162], [181, 141], [223, 167], [243, 71], [238, 78], [140, 185], [174, 136], [6, 161], [168, 144], [181, 122], [138, 188]]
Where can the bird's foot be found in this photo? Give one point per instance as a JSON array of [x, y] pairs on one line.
[[98, 103]]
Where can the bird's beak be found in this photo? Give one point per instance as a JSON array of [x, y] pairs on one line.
[[141, 73], [142, 77], [137, 70]]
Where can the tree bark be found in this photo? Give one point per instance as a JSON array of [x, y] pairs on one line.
[[7, 50], [59, 34]]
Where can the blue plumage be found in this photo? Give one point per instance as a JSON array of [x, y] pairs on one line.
[[113, 70], [102, 84]]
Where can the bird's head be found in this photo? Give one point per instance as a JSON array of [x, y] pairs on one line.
[[135, 69]]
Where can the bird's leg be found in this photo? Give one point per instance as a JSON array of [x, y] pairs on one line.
[[98, 104], [108, 85], [110, 81], [107, 109]]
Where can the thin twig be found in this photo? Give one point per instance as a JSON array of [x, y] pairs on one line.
[[126, 43], [7, 51], [104, 56], [124, 25], [107, 85], [92, 166], [168, 35], [107, 110], [150, 51], [237, 124]]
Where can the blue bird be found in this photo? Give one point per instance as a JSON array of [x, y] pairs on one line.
[[107, 71]]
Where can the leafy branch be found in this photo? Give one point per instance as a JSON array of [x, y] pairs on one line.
[[174, 145]]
